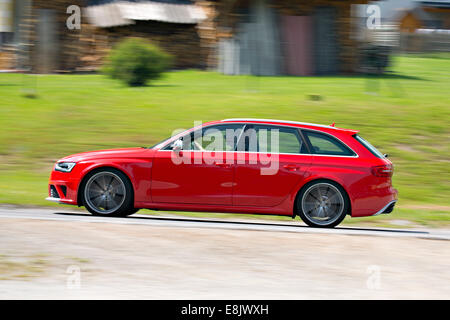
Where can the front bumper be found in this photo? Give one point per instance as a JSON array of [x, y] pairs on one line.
[[63, 188], [59, 200]]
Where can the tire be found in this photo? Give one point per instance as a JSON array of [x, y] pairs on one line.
[[131, 211], [108, 192], [322, 204]]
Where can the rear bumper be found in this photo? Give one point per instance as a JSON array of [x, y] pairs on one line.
[[387, 208], [381, 202], [389, 203]]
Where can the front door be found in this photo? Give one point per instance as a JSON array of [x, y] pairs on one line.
[[199, 173]]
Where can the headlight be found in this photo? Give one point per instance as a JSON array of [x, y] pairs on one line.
[[64, 166]]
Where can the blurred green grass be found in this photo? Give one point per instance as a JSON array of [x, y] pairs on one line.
[[405, 114]]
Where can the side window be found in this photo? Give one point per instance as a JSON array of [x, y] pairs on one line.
[[214, 138], [272, 139], [327, 145]]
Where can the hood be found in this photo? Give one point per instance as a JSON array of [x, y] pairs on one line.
[[106, 154]]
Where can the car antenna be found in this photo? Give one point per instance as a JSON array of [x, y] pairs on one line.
[[332, 125]]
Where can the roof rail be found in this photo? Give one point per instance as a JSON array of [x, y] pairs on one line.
[[280, 121]]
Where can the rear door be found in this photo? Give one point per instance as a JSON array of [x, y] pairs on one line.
[[274, 162]]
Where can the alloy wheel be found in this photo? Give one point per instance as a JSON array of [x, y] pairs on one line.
[[105, 192], [322, 204]]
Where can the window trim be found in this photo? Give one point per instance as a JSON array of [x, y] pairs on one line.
[[245, 125]]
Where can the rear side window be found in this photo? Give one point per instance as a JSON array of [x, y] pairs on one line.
[[327, 145], [369, 147], [273, 139]]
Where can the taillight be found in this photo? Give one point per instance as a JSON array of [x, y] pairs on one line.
[[384, 171]]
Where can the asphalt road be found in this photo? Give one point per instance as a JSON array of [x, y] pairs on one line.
[[296, 226], [44, 250]]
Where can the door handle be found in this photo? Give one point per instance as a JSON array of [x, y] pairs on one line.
[[291, 167], [222, 165]]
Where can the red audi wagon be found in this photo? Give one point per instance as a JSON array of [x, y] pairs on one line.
[[318, 172]]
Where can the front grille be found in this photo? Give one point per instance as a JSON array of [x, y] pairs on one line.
[[53, 192]]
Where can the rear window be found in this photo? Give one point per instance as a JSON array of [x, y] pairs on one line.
[[327, 145], [369, 147]]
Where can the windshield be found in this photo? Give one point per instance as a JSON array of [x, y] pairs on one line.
[[161, 142], [369, 147]]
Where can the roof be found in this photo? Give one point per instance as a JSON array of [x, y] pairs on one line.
[[288, 122], [112, 13]]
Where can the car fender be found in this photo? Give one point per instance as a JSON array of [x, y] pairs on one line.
[[318, 176], [138, 172]]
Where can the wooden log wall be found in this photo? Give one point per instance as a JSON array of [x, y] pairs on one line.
[[8, 58], [70, 46], [180, 40], [84, 50], [207, 31]]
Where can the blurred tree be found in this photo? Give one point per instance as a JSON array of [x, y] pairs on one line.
[[136, 61]]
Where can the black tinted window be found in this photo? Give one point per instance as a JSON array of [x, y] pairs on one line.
[[327, 145]]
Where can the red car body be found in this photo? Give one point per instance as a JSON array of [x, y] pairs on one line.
[[160, 184]]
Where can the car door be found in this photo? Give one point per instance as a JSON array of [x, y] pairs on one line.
[[200, 172], [275, 161]]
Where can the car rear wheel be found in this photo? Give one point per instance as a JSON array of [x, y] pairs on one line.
[[322, 204], [108, 192], [131, 211]]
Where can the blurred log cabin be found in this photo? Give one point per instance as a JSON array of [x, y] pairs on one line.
[[260, 37]]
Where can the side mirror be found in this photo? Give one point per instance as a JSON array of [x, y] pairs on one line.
[[177, 146], [385, 155]]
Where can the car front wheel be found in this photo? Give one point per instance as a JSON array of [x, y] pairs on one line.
[[322, 204], [108, 192]]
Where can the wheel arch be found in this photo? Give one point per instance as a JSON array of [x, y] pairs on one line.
[[99, 168], [317, 179]]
